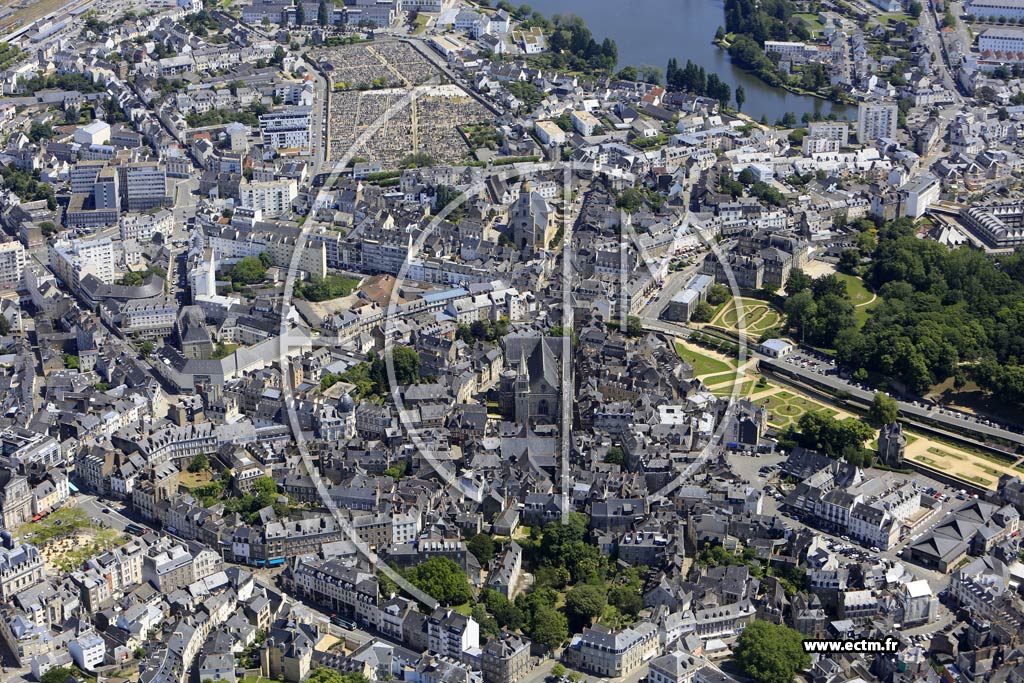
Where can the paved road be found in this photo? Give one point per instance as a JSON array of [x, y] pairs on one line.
[[932, 24], [115, 519], [674, 282], [318, 118]]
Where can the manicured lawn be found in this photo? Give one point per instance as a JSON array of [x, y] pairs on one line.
[[891, 18], [421, 23], [745, 389], [855, 288], [223, 350], [758, 315], [712, 380], [786, 408], [702, 365], [861, 297]]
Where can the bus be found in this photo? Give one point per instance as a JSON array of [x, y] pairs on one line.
[[134, 529], [343, 622]]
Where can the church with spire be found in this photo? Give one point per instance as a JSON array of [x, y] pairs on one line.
[[530, 388]]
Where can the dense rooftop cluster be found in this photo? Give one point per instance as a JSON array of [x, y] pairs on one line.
[[407, 339]]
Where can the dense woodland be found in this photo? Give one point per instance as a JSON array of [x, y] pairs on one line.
[[943, 314]]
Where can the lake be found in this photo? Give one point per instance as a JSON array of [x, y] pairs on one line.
[[653, 31]]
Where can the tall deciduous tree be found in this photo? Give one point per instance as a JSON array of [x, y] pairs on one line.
[[771, 653]]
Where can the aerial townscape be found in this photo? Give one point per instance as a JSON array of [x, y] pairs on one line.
[[454, 341]]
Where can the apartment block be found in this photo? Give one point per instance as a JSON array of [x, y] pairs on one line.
[[286, 128], [71, 260], [272, 197], [875, 120], [12, 265]]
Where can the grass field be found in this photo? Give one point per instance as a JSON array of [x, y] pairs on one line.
[[421, 23], [745, 387], [712, 380], [863, 299], [812, 22], [758, 316], [191, 480], [786, 408], [703, 364], [890, 18]]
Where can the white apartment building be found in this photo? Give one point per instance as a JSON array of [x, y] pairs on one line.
[[612, 654], [149, 317], [120, 567], [142, 227], [405, 527], [273, 197], [20, 568], [549, 133], [831, 130], [450, 633], [12, 265], [83, 175], [875, 120], [287, 127], [25, 447], [1003, 44], [675, 667], [919, 194], [88, 651], [787, 51], [584, 122], [873, 526], [72, 260], [422, 5], [1011, 9], [818, 145]]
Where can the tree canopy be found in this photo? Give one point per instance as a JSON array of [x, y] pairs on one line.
[[482, 547], [586, 601], [837, 438], [371, 378], [249, 270], [820, 312], [884, 409], [322, 674], [771, 653], [441, 578], [942, 313]]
